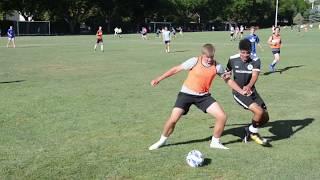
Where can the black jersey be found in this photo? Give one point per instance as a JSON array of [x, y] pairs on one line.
[[242, 71]]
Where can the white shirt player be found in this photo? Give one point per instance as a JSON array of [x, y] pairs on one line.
[[231, 29], [241, 28], [166, 35]]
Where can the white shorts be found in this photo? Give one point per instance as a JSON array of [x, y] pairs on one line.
[[10, 39]]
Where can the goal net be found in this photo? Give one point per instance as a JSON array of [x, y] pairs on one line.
[[156, 25], [33, 28]]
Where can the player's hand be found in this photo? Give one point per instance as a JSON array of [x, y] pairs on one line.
[[247, 90], [244, 93], [226, 75], [154, 82]]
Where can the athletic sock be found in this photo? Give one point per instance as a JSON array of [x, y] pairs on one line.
[[253, 127], [216, 140], [274, 62], [163, 138]]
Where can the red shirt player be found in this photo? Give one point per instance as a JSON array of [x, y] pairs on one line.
[[99, 39]]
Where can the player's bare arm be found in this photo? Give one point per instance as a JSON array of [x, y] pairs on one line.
[[232, 84], [167, 74], [253, 80]]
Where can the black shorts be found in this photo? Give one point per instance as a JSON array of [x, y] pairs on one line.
[[246, 101], [166, 42], [99, 41], [184, 101], [241, 32], [144, 34], [231, 34], [275, 51]]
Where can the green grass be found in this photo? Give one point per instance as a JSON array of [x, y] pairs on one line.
[[76, 114]]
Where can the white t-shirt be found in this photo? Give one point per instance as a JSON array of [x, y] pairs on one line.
[[166, 36], [188, 65], [231, 29]]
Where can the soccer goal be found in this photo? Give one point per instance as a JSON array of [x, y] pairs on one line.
[[33, 28], [159, 25]]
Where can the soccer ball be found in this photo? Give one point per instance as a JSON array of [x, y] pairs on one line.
[[195, 158]]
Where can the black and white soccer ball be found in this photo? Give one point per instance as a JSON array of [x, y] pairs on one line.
[[195, 158]]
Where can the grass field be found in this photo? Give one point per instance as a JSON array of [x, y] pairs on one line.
[[69, 113]]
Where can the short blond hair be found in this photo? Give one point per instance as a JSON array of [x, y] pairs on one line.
[[208, 49]]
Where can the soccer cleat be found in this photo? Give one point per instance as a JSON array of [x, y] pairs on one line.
[[258, 139], [217, 145], [255, 137], [156, 145], [271, 67]]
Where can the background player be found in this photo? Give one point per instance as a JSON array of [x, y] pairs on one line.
[[166, 36], [99, 39], [144, 32], [275, 45], [195, 90], [231, 33], [245, 69], [241, 31], [11, 37], [254, 40]]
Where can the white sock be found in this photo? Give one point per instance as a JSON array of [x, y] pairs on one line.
[[163, 138], [159, 143], [215, 140], [253, 129]]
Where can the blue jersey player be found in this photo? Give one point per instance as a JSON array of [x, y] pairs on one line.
[[11, 36], [254, 40]]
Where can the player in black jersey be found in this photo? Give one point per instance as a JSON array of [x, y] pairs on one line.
[[245, 69]]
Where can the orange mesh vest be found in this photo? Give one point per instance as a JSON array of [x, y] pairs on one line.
[[200, 77], [277, 38]]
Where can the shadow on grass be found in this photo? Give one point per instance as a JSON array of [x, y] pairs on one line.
[[282, 70], [9, 82], [206, 162], [281, 129]]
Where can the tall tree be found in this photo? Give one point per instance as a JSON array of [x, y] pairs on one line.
[[28, 9]]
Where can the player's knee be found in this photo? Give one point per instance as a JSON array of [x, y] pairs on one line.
[[222, 117], [259, 112]]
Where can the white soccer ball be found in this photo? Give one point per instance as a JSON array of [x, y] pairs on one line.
[[195, 158]]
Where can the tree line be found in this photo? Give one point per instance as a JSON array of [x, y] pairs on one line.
[[137, 12]]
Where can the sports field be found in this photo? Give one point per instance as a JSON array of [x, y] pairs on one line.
[[69, 113]]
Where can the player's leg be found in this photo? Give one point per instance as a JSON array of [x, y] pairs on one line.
[[256, 105], [276, 54], [168, 127], [8, 43], [13, 43], [101, 46], [168, 47], [260, 117], [221, 118], [209, 105], [171, 122], [95, 46], [276, 59], [181, 107]]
